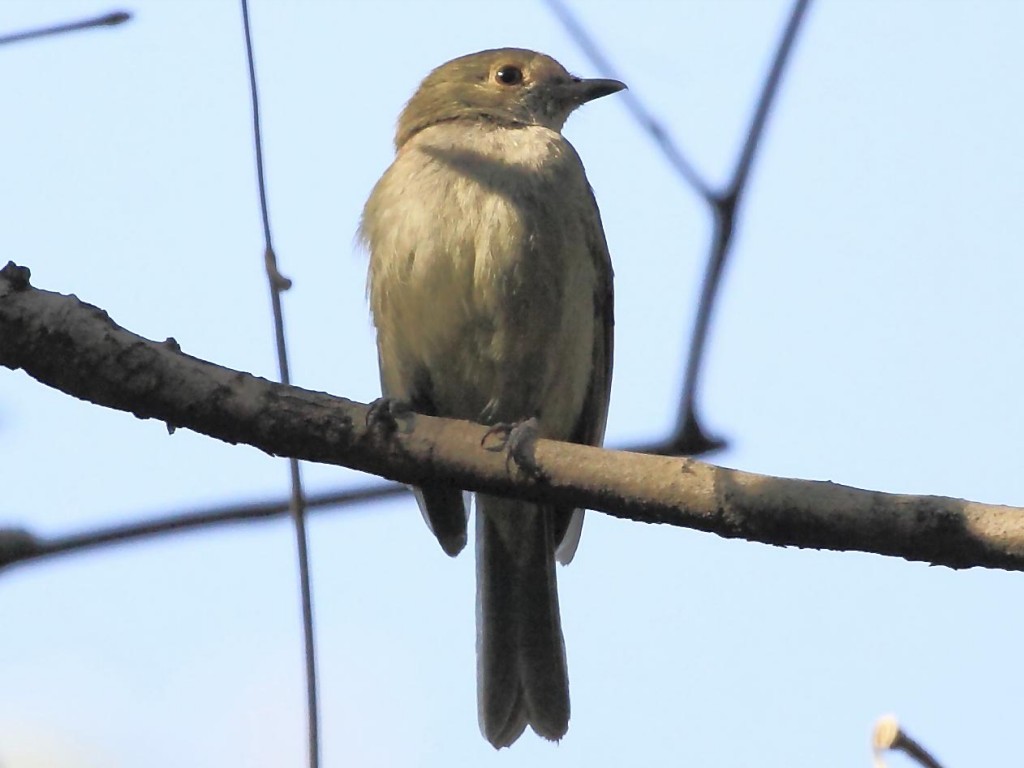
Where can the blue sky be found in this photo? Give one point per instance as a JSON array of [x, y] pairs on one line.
[[868, 334]]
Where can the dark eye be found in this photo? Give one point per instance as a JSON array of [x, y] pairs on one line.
[[509, 75]]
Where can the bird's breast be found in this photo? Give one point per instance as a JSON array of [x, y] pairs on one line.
[[480, 268]]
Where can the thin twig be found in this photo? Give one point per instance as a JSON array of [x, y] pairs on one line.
[[688, 438], [888, 735], [25, 547], [297, 505], [19, 546], [654, 128], [107, 20]]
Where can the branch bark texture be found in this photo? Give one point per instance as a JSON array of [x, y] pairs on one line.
[[76, 348]]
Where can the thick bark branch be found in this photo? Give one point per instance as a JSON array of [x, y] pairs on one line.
[[78, 349]]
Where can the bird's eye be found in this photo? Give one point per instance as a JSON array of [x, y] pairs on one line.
[[509, 75]]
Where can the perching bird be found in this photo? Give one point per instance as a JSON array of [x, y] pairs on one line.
[[490, 286]]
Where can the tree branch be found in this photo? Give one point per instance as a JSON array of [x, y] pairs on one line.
[[78, 349], [689, 438], [107, 20], [18, 545], [889, 736]]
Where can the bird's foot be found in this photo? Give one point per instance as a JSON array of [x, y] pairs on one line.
[[384, 414], [519, 441]]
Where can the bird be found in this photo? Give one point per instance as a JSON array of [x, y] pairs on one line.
[[490, 288]]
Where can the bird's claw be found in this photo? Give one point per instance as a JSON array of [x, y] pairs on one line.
[[384, 414], [519, 441]]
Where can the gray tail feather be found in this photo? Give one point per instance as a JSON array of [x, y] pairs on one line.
[[521, 671]]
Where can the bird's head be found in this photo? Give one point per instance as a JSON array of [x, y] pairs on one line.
[[505, 86]]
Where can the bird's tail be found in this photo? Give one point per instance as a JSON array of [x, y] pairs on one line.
[[521, 671]]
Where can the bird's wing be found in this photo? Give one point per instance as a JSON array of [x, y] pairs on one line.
[[442, 506], [590, 426]]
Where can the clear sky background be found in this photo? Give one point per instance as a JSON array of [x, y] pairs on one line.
[[869, 334]]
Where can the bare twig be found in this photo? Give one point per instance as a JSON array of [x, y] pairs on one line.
[[689, 438], [19, 546], [648, 122], [107, 20], [77, 349], [279, 283], [888, 735]]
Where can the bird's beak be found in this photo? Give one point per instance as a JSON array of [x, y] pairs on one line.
[[594, 88]]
